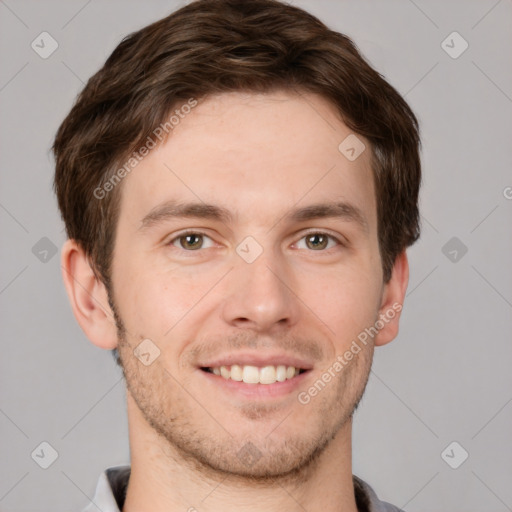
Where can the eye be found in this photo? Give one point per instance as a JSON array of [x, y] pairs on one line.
[[190, 241], [194, 240], [319, 241]]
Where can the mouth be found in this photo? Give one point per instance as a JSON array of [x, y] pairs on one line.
[[250, 374], [255, 376]]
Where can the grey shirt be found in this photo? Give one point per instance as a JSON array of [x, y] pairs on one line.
[[111, 492]]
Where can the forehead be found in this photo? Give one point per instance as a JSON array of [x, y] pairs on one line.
[[253, 153]]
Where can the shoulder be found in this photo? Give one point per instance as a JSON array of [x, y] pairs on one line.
[[367, 500]]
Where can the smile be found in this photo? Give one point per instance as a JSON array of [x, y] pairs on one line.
[[249, 374]]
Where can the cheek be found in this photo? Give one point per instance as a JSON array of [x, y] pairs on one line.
[[153, 303], [347, 303]]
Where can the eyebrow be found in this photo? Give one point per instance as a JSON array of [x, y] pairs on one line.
[[174, 209]]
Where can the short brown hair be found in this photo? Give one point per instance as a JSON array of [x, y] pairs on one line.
[[215, 46]]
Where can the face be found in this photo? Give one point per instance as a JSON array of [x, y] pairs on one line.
[[248, 241]]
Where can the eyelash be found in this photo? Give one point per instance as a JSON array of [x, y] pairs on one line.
[[313, 232]]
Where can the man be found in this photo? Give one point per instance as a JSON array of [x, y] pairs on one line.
[[239, 188]]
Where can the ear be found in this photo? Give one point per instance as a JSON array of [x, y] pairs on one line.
[[88, 297], [393, 296]]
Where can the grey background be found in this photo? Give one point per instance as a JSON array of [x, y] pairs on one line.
[[445, 378]]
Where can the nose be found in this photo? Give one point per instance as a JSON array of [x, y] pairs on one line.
[[260, 295]]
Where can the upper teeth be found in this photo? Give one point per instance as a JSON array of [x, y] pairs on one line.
[[255, 375]]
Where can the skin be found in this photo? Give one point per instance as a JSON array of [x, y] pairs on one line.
[[260, 156]]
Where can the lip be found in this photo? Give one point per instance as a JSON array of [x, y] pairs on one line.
[[258, 359], [256, 391]]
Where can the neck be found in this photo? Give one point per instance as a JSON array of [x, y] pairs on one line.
[[164, 480]]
